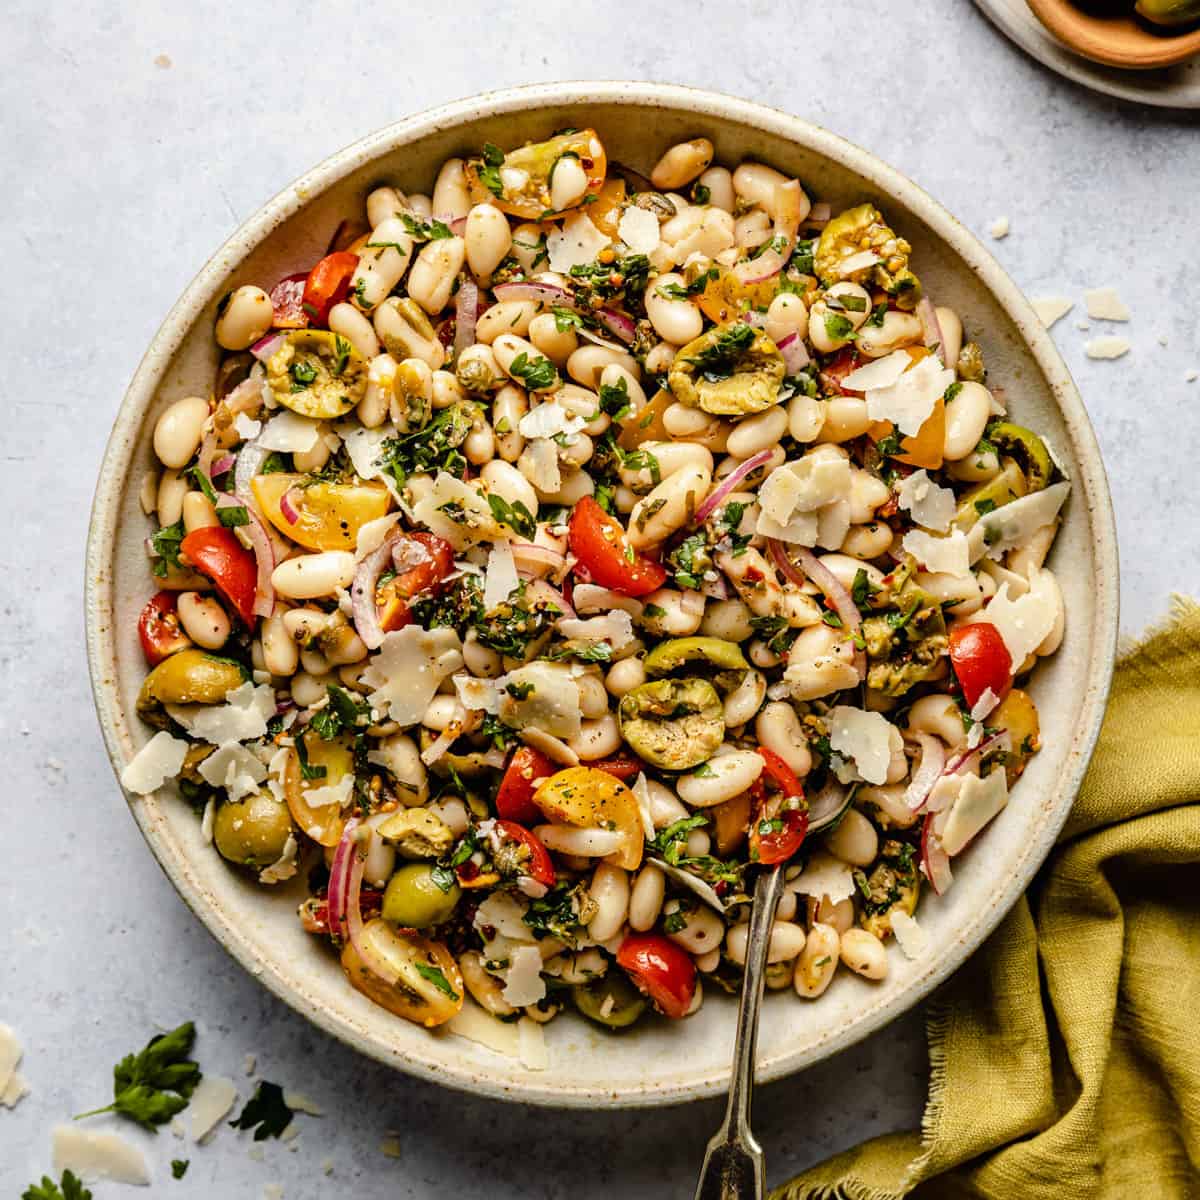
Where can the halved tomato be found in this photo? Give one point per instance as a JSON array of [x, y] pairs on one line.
[[598, 542], [519, 183], [328, 516], [514, 798], [407, 974], [159, 629], [323, 822], [660, 969], [592, 799]]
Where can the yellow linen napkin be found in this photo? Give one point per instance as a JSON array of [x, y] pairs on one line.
[[1065, 1055]]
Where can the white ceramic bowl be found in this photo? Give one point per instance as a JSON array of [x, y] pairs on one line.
[[659, 1062]]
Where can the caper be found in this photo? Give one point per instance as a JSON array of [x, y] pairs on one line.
[[415, 899], [254, 831], [611, 1000]]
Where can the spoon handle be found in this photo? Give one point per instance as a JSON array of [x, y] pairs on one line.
[[733, 1165]]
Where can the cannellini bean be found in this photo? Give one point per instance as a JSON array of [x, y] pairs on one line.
[[894, 810], [837, 915], [597, 739], [382, 203], [778, 728], [510, 405], [453, 814], [820, 661], [674, 320], [845, 418], [871, 540], [786, 315], [380, 859], [406, 333], [962, 591], [479, 447], [556, 344], [761, 655], [967, 415], [698, 843], [507, 316], [447, 391], [701, 931], [624, 676], [719, 183], [172, 488], [668, 507], [751, 229], [593, 699], [854, 840], [441, 713], [247, 315], [402, 758], [787, 940], [646, 898], [203, 620], [451, 197], [504, 480], [756, 184], [281, 655], [348, 322], [568, 183], [575, 485], [587, 363], [937, 714], [313, 661], [683, 421], [586, 843], [665, 807], [952, 333], [867, 493], [659, 358], [488, 239], [198, 512], [178, 432], [759, 432], [667, 458], [817, 962], [844, 569], [482, 661], [864, 953], [311, 575], [745, 700], [897, 329], [610, 890], [680, 612], [382, 262], [806, 417], [433, 274], [486, 990], [529, 243], [508, 348], [731, 463], [576, 967], [720, 779], [308, 689], [728, 620], [311, 460], [681, 164], [373, 408]]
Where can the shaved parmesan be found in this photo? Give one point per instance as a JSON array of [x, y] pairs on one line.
[[641, 793], [825, 875], [638, 229], [805, 485], [1013, 524], [299, 1102], [978, 802], [244, 715], [456, 511], [1103, 304], [160, 759], [1106, 347], [1024, 623], [531, 1044], [999, 228], [1050, 309], [864, 737], [943, 555], [477, 695], [931, 505], [365, 447], [984, 705], [857, 262], [549, 419], [523, 982], [284, 867], [409, 668], [10, 1059], [800, 530], [504, 913], [909, 402], [880, 373], [371, 535], [543, 695], [589, 597], [616, 628], [14, 1091], [910, 937], [500, 577], [290, 433], [539, 461], [576, 244], [234, 768], [247, 428], [329, 794], [476, 1025], [211, 1100], [833, 523], [94, 1156]]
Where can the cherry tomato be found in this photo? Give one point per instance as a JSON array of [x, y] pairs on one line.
[[981, 661], [314, 912], [660, 969], [216, 552], [770, 844], [621, 766], [422, 561], [598, 541], [532, 858], [514, 798], [835, 368], [287, 299], [328, 284], [159, 629]]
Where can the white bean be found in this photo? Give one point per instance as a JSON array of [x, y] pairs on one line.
[[482, 661], [198, 512], [897, 329], [745, 700], [756, 183], [556, 344], [451, 197], [683, 421], [452, 812], [667, 457], [308, 689], [759, 432], [681, 164], [668, 507], [787, 940], [680, 613], [854, 840], [178, 432], [380, 860], [728, 620], [172, 488], [752, 229], [845, 418], [820, 661], [624, 676], [967, 414], [719, 183], [586, 843], [504, 480], [593, 699], [665, 808], [313, 661], [646, 898], [281, 655], [311, 460], [952, 334], [384, 202], [610, 890], [817, 963], [373, 408], [432, 277], [786, 315], [488, 239], [486, 990], [720, 778], [864, 954], [346, 320], [406, 333], [568, 183], [508, 349], [939, 715], [597, 739], [479, 447], [509, 406], [381, 263], [403, 760], [806, 417], [587, 363], [247, 315], [203, 620], [778, 728], [311, 575], [870, 540], [674, 320], [701, 929]]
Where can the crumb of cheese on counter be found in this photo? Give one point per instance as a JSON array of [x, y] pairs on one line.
[[1106, 347]]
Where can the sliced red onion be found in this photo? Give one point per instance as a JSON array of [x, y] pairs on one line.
[[290, 512], [934, 860], [548, 293], [371, 959], [362, 591], [715, 589], [265, 347], [788, 200], [597, 339], [466, 313], [730, 484], [933, 761], [819, 215], [618, 324], [828, 805], [223, 464], [339, 878], [962, 762], [930, 329], [458, 226], [795, 353], [539, 589], [264, 553], [829, 585], [536, 559], [208, 453]]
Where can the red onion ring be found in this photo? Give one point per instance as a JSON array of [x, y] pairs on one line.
[[934, 859], [264, 553], [618, 324], [290, 512], [458, 226], [931, 330], [729, 484], [353, 918], [265, 347], [963, 760], [716, 589], [466, 313], [208, 453], [339, 877], [222, 465], [362, 591], [540, 589], [795, 353], [536, 559], [933, 762]]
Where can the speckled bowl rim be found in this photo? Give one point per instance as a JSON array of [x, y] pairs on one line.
[[1091, 485]]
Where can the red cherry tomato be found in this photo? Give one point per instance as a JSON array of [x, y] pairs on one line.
[[328, 284], [422, 561], [598, 541], [216, 552], [534, 858], [514, 798], [981, 660], [778, 824], [314, 912], [159, 629], [287, 299], [660, 969], [835, 368], [621, 766]]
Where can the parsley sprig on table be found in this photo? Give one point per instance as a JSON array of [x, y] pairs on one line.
[[69, 1188], [266, 1112]]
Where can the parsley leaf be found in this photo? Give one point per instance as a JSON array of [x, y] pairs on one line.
[[877, 314], [69, 1188], [155, 1084], [437, 977], [179, 1167], [986, 505], [307, 771], [718, 360], [265, 1112], [342, 712], [614, 399], [515, 515], [837, 327], [489, 173], [166, 546], [233, 515], [432, 230], [536, 372]]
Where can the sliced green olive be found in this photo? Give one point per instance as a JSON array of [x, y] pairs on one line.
[[611, 1000], [674, 724], [419, 896], [1027, 448], [189, 677], [417, 833], [671, 655], [893, 885], [862, 229], [254, 831], [728, 371], [1009, 485], [317, 373]]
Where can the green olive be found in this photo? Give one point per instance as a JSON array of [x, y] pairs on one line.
[[189, 677], [611, 1000], [670, 655], [414, 898], [317, 373], [1027, 448], [1009, 485], [728, 371], [252, 832], [860, 229], [674, 724]]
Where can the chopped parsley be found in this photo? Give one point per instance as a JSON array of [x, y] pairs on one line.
[[537, 373], [877, 314], [69, 1188], [166, 545], [515, 515], [303, 374], [489, 172], [434, 448], [266, 1112], [984, 506], [307, 770], [432, 230], [179, 1167], [341, 712], [718, 360], [837, 327], [233, 515], [437, 977], [614, 399]]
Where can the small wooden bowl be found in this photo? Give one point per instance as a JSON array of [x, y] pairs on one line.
[[1112, 34]]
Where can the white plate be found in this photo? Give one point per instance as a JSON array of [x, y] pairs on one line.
[[1175, 87]]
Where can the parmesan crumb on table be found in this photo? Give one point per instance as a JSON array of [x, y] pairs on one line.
[[1191, 376], [1104, 304], [1050, 309], [1000, 228], [1106, 347]]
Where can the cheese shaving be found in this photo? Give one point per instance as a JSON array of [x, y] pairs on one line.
[[638, 228], [365, 446], [212, 1099], [1050, 309], [616, 628], [978, 803], [242, 717], [523, 982], [948, 555], [930, 504], [910, 937], [539, 460], [909, 402], [477, 695], [1106, 347], [825, 876], [94, 1156], [289, 433], [1013, 524], [504, 913], [1023, 623], [500, 578], [476, 1025], [549, 419], [284, 867], [983, 707], [576, 244], [371, 535], [457, 512], [160, 759], [863, 737], [234, 768], [531, 1045], [1000, 228], [1103, 304], [880, 373], [409, 668]]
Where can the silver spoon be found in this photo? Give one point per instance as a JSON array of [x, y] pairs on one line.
[[733, 1164]]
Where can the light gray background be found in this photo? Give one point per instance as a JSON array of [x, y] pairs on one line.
[[121, 175]]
